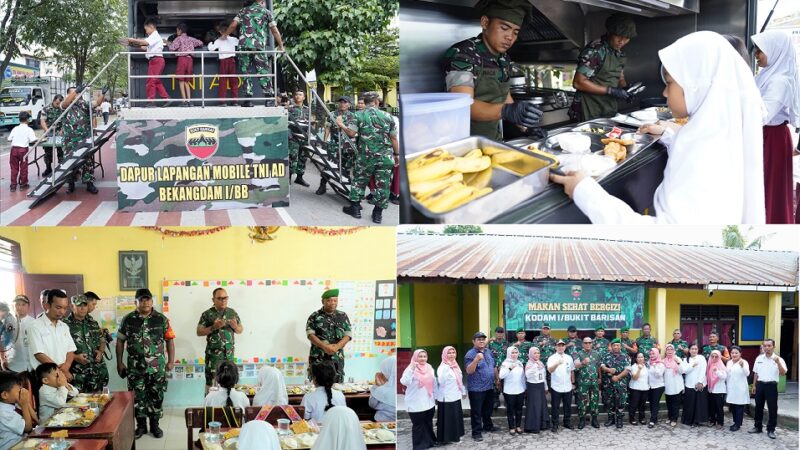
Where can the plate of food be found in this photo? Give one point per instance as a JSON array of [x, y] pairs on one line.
[[43, 444], [71, 417], [298, 441], [379, 436]]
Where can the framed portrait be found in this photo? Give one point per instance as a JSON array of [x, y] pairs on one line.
[[132, 270]]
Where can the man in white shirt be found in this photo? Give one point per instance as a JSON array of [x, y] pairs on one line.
[[21, 137], [766, 371], [562, 378], [106, 108], [155, 64], [19, 361], [49, 339]]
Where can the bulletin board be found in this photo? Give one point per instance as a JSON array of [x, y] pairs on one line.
[[752, 328], [274, 315]]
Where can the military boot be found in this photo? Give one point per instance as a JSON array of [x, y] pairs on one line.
[[354, 209], [70, 187], [155, 430], [141, 427], [581, 423], [322, 189], [610, 420], [594, 422], [377, 214], [299, 180], [91, 188]]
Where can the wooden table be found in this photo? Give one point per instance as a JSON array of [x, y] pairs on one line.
[[80, 444], [115, 424], [390, 446]]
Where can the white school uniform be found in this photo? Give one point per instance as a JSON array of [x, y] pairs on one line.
[[21, 136], [155, 45], [12, 426], [316, 401], [219, 398], [51, 398]]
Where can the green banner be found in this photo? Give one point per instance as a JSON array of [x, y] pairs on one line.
[[585, 305], [197, 164]]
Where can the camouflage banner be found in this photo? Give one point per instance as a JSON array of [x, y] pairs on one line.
[[585, 305], [200, 164]]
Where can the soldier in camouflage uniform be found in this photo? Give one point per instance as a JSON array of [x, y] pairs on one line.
[[713, 341], [645, 342], [545, 342], [616, 366], [681, 346], [378, 151], [573, 341], [587, 379], [89, 371], [498, 346], [48, 117], [146, 332], [600, 344], [255, 20], [77, 129], [297, 156], [339, 139], [218, 324], [522, 345], [329, 331], [629, 346]]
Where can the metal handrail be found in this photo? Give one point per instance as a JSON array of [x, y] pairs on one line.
[[44, 134]]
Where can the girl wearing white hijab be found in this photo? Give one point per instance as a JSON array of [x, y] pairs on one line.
[[258, 435], [512, 372], [714, 172], [273, 388], [341, 431], [383, 395], [780, 88]]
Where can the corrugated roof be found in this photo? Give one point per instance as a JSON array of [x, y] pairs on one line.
[[503, 257]]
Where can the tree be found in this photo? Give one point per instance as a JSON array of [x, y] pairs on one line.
[[732, 237], [322, 34], [17, 15], [462, 229], [81, 33], [381, 63]]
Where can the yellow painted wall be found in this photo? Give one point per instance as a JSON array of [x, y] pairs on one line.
[[435, 312], [227, 254], [471, 309]]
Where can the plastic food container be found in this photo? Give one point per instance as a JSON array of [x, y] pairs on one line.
[[433, 119]]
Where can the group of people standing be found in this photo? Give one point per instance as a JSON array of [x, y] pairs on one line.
[[626, 374]]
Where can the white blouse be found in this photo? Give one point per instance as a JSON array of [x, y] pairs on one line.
[[513, 380], [655, 376], [738, 392], [535, 374], [641, 383], [673, 382], [417, 398], [448, 385], [719, 388], [695, 371], [219, 398], [316, 401]]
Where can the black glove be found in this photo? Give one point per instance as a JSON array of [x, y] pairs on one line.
[[620, 94], [522, 113], [536, 133], [105, 89], [79, 88]]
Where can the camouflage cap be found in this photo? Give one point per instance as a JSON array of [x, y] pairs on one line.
[[143, 293], [22, 298], [330, 293], [499, 330], [545, 325], [79, 300], [369, 97], [520, 330], [344, 98], [514, 11], [621, 25], [600, 327], [624, 329]]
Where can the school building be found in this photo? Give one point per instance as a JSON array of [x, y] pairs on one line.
[[451, 286]]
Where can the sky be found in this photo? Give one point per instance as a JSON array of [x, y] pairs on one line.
[[779, 237]]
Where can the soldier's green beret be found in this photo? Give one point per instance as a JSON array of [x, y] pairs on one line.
[[600, 327], [514, 11], [624, 329], [545, 325], [520, 330], [621, 25], [561, 342], [330, 293], [616, 341], [79, 300]]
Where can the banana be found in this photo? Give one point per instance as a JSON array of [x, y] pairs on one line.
[[473, 165], [433, 171], [446, 202], [499, 159], [424, 188], [489, 151], [474, 154], [481, 179], [475, 194], [426, 159], [435, 196]]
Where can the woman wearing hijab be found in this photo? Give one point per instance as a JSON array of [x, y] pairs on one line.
[[736, 383], [450, 416], [716, 375], [638, 389], [273, 388], [695, 398], [342, 431], [535, 388], [419, 380], [655, 378], [258, 435], [780, 88], [382, 397], [673, 383], [713, 174], [512, 372]]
